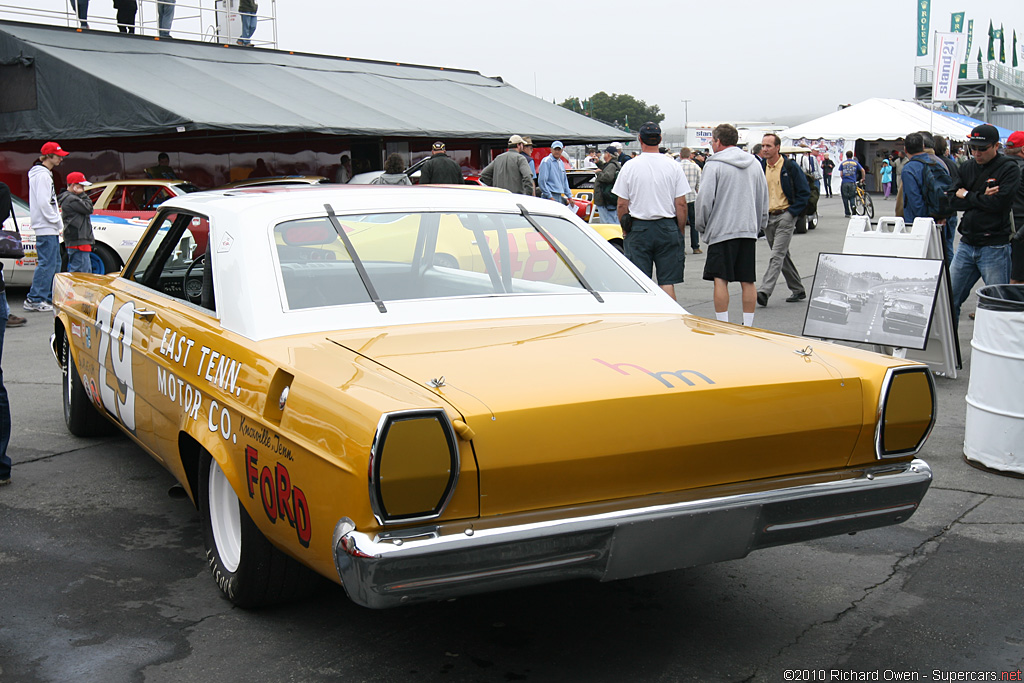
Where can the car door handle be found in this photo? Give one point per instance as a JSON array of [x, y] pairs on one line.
[[143, 313]]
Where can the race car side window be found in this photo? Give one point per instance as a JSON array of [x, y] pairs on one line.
[[175, 258]]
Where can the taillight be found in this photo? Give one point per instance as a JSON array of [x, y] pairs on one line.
[[414, 466], [906, 412]]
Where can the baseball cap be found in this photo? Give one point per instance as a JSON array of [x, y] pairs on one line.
[[557, 144], [617, 145], [77, 178], [650, 130], [516, 140], [528, 141], [438, 146], [52, 148], [983, 136], [611, 149], [1016, 139]]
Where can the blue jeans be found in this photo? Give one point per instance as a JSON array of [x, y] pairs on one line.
[[849, 194], [948, 235], [991, 264], [82, 7], [248, 27], [79, 261], [164, 17], [5, 403], [608, 214], [48, 251]]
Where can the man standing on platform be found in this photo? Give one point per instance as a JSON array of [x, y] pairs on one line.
[[788, 194]]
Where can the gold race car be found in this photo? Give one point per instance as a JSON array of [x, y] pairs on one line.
[[336, 401]]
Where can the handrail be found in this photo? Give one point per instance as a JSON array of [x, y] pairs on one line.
[[193, 19], [989, 71]]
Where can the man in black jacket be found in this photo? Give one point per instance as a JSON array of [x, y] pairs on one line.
[[7, 211], [788, 194], [988, 184], [440, 169]]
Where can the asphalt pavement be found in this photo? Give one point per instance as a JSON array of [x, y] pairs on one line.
[[104, 577]]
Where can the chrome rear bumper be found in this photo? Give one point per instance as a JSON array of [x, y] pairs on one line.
[[621, 539]]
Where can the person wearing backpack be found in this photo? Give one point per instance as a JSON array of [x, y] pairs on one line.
[[985, 193], [926, 182], [605, 201]]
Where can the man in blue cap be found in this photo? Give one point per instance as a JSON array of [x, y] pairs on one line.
[[551, 176]]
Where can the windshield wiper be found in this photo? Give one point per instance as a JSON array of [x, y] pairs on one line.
[[355, 259], [561, 255]]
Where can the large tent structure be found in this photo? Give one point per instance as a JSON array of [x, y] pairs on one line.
[[878, 119], [874, 128], [103, 94]]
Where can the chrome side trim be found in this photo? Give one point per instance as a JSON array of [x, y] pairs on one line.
[[380, 436], [620, 539], [880, 452]]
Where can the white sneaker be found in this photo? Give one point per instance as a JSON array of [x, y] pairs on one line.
[[41, 307]]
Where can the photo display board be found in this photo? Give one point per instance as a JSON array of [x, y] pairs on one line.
[[883, 300]]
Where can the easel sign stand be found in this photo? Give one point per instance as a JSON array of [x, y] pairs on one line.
[[892, 237]]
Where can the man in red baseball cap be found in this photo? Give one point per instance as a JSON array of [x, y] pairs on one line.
[[1015, 151], [47, 224]]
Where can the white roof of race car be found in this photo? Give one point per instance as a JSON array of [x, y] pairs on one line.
[[250, 297]]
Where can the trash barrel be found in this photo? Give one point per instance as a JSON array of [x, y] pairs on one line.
[[994, 433]]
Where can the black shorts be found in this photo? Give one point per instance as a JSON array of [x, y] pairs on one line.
[[731, 260]]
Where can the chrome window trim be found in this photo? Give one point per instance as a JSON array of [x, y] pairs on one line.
[[890, 374], [380, 436]]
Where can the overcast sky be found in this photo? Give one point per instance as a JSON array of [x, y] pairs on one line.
[[734, 60]]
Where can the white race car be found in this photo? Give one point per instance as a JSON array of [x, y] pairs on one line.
[[115, 239]]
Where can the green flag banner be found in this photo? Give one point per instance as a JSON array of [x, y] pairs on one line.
[[1002, 45], [981, 73], [1015, 49], [956, 25], [991, 42], [924, 10]]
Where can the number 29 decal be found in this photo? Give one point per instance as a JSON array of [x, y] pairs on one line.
[[121, 328]]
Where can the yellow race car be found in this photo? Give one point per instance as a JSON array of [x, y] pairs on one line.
[[338, 402]]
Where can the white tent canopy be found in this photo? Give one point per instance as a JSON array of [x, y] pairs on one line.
[[878, 119]]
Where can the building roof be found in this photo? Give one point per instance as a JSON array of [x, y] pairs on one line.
[[98, 84]]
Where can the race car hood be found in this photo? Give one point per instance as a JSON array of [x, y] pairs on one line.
[[581, 409]]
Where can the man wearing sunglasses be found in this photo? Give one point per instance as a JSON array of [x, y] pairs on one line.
[[985, 192]]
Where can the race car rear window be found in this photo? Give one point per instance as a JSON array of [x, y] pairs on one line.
[[403, 256]]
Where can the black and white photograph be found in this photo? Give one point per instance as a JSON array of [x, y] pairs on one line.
[[884, 300]]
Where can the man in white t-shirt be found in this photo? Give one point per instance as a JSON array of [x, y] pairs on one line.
[[652, 192]]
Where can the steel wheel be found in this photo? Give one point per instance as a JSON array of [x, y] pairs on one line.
[[225, 518]]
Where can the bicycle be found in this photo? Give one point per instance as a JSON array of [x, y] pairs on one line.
[[862, 204]]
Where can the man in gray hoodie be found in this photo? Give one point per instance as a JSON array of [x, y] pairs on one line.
[[47, 224], [731, 206]]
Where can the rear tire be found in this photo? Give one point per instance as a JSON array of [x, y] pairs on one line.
[[869, 206], [80, 415], [248, 569]]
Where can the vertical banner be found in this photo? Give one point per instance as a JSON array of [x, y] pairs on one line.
[[991, 42], [1002, 45], [924, 10], [948, 53], [956, 25], [1014, 48]]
